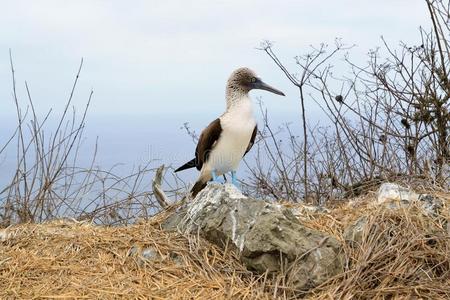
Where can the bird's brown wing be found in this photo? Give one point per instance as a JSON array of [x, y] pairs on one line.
[[206, 142], [252, 140]]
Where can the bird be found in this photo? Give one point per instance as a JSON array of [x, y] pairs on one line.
[[226, 140]]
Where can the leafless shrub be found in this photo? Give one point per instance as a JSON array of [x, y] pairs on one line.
[[390, 120], [48, 182]]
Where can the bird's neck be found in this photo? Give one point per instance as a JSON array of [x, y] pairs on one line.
[[240, 105], [236, 96]]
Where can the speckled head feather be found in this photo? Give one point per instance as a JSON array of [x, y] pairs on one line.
[[242, 81]]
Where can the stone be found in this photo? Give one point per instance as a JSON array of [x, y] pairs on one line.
[[394, 196], [302, 211], [354, 233], [267, 235], [145, 255], [431, 205], [394, 192]]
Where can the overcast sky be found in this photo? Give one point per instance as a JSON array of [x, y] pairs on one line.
[[147, 57], [154, 65]]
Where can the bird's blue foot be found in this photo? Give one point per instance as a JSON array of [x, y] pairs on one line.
[[234, 180], [215, 178]]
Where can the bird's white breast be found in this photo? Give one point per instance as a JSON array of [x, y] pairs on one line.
[[237, 125]]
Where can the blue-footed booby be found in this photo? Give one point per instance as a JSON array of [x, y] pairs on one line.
[[222, 145]]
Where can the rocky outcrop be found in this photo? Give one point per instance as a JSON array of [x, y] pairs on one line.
[[268, 236]]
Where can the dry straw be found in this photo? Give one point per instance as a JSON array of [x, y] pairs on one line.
[[78, 260], [402, 254]]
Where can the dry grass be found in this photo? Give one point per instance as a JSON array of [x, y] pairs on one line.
[[78, 260], [403, 254]]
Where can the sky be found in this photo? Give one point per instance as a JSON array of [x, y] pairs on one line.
[[163, 63]]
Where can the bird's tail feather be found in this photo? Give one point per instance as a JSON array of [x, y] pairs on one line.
[[198, 186], [188, 165]]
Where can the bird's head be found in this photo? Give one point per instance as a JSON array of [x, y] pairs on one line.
[[244, 80]]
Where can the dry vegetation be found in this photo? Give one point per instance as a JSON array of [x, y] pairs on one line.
[[390, 119], [78, 260], [390, 123], [402, 254], [49, 182]]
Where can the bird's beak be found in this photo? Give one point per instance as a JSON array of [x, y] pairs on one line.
[[261, 85]]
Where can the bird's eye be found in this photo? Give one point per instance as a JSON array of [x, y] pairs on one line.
[[253, 79]]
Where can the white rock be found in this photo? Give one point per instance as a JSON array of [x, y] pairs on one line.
[[395, 192], [268, 236], [150, 254], [394, 196]]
